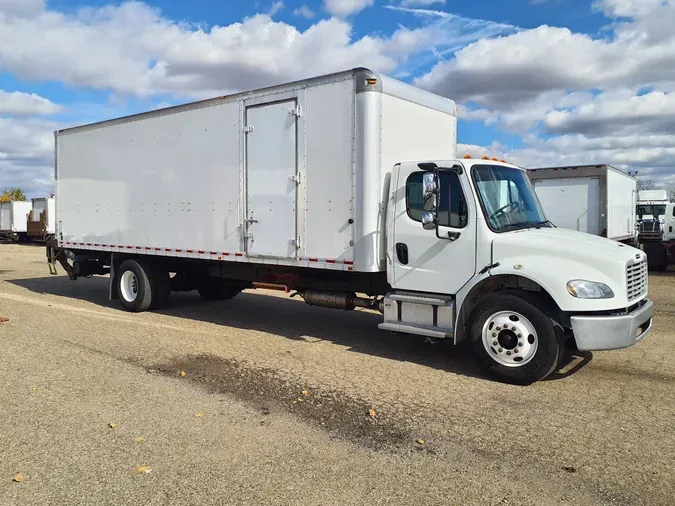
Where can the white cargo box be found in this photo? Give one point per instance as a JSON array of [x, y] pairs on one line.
[[295, 174], [48, 207], [14, 216], [596, 199]]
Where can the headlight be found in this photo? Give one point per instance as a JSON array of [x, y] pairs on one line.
[[589, 290]]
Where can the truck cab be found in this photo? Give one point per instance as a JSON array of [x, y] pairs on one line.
[[471, 256]]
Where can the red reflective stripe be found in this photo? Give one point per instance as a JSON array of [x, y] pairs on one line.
[[158, 249], [104, 245], [226, 254], [179, 250], [349, 262], [313, 259], [138, 247], [214, 253], [239, 254], [148, 247], [330, 261], [190, 251], [200, 252], [167, 249]]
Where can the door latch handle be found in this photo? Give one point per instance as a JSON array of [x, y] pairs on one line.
[[453, 236], [251, 220]]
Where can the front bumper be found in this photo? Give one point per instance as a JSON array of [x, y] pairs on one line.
[[612, 332]]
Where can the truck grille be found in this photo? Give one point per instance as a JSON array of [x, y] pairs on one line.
[[636, 279]]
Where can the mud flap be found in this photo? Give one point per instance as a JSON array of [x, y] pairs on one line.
[[112, 291]]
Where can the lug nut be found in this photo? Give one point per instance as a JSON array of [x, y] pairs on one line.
[[513, 328], [494, 343], [520, 344], [494, 334], [500, 350], [520, 335], [515, 351], [508, 353], [498, 327]]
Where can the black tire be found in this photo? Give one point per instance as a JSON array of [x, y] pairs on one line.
[[211, 291], [162, 288], [550, 343], [145, 285]]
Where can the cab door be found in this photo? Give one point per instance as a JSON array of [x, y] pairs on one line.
[[439, 261]]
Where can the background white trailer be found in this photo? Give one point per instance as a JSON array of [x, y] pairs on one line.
[[42, 222], [596, 199], [289, 175], [14, 216]]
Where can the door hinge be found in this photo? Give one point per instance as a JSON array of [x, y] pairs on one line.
[[248, 128], [295, 178], [296, 111], [294, 242]]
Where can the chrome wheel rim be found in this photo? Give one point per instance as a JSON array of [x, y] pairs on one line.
[[129, 286], [510, 339]]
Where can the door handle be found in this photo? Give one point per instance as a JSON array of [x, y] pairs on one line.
[[402, 252], [453, 236], [251, 220]]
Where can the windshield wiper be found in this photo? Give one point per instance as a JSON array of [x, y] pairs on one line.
[[546, 222]]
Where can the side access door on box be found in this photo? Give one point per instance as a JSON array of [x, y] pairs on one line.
[[271, 145]]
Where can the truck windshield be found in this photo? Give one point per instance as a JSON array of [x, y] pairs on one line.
[[651, 210], [507, 198]]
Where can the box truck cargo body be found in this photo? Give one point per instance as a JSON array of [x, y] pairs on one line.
[[288, 176], [344, 189], [14, 219], [595, 199]]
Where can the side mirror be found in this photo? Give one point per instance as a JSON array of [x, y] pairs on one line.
[[430, 189], [428, 220]]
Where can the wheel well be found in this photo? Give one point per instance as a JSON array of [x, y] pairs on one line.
[[526, 288]]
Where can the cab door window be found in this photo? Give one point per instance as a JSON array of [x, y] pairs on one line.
[[452, 208]]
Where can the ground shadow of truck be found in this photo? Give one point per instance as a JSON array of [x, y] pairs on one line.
[[292, 319]]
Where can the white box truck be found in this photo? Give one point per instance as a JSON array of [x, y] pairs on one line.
[[595, 199], [14, 220], [42, 219], [346, 190]]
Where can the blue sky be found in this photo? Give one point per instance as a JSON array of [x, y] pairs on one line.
[[541, 82]]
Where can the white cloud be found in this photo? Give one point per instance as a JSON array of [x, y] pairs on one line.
[[27, 155], [276, 7], [21, 7], [17, 103], [344, 8], [420, 3], [304, 12]]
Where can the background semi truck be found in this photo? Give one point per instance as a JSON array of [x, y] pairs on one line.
[[656, 221], [13, 220], [346, 190], [596, 199]]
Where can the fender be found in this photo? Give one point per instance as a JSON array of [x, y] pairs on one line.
[[537, 272]]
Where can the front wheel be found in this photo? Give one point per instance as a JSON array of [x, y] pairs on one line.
[[513, 340]]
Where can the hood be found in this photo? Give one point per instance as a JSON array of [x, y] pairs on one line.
[[554, 256]]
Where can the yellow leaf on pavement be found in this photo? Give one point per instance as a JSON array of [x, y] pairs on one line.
[[112, 425], [183, 373], [372, 413], [420, 441], [201, 413], [18, 478], [142, 469], [139, 439], [305, 392]]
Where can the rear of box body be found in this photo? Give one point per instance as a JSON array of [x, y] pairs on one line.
[[14, 216], [296, 174], [598, 200]]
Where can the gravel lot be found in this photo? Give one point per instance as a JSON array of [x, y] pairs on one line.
[[274, 404]]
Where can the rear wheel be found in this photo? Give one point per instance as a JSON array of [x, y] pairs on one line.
[[513, 340], [135, 285]]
